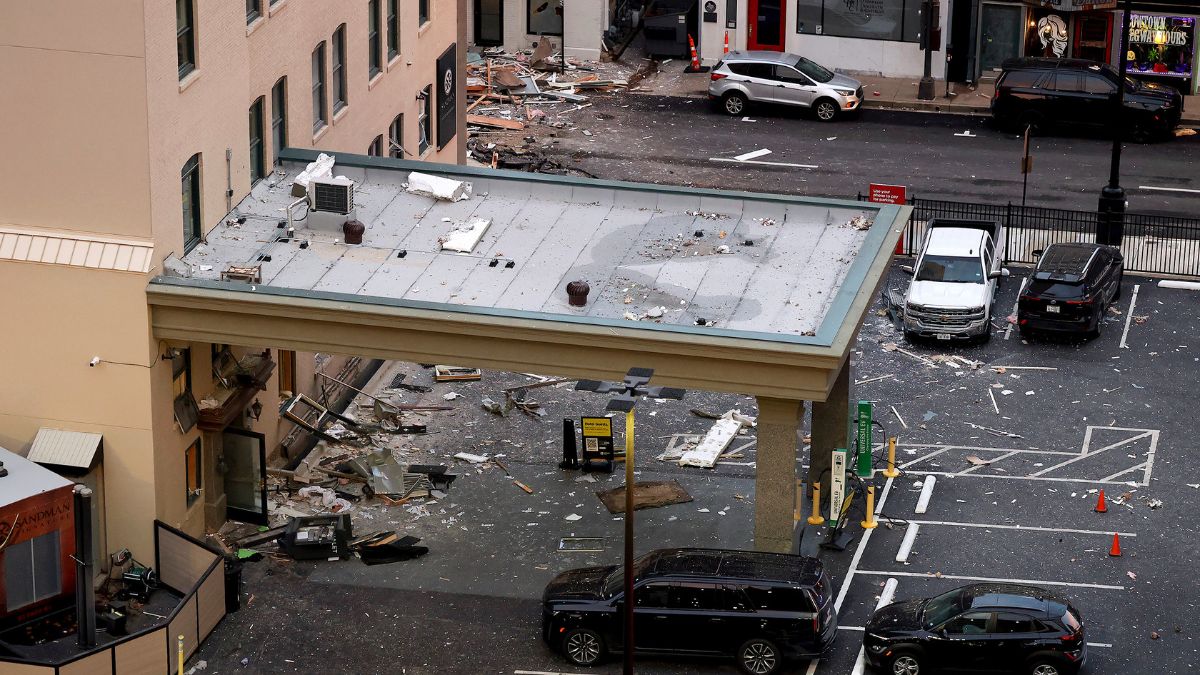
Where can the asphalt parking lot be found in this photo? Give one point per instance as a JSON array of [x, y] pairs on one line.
[[1097, 415]]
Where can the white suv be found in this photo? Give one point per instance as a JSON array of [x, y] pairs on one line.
[[779, 77]]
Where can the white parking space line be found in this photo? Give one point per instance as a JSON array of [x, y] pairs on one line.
[[885, 599], [1089, 481], [997, 526], [730, 160], [931, 575], [906, 544], [925, 457], [858, 552], [1092, 454], [926, 494], [1129, 316], [993, 460], [1167, 189], [755, 154], [1122, 473], [1008, 330]]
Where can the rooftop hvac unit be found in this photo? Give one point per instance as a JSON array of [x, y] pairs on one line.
[[330, 203]]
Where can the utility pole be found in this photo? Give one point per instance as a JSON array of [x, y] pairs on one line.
[[630, 390], [1110, 221], [925, 89]]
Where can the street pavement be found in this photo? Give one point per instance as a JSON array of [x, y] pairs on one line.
[[675, 140], [1108, 417]]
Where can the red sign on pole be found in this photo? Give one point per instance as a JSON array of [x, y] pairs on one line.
[[889, 194]]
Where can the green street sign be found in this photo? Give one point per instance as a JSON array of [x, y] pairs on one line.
[[865, 412]]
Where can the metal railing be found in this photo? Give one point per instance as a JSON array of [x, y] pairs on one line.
[[1153, 244]]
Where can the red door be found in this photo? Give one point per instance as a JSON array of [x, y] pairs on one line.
[[1093, 37], [766, 24]]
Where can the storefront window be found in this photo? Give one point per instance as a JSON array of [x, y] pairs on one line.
[[896, 20], [1161, 46]]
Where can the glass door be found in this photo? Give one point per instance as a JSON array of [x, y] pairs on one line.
[[245, 454], [489, 22], [766, 24], [1001, 33]]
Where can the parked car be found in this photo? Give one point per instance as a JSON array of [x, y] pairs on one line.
[[762, 609], [1042, 93], [996, 627], [787, 79], [955, 280], [1071, 288]]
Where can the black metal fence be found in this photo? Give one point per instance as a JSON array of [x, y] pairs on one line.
[[1155, 244]]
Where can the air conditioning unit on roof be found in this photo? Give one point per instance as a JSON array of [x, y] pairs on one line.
[[330, 203]]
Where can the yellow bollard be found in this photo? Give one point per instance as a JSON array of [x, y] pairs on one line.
[[870, 523], [891, 471], [180, 655], [816, 518]]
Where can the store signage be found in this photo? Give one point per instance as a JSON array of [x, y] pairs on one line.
[[1159, 30], [1074, 5], [886, 194]]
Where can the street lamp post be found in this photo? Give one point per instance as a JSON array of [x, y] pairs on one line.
[[629, 391], [925, 88], [1110, 221]]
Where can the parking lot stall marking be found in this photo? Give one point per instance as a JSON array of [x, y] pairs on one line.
[[926, 494], [958, 577], [928, 456], [906, 544], [1005, 526], [1143, 465], [991, 461], [1088, 453], [885, 599], [1129, 316], [759, 162]]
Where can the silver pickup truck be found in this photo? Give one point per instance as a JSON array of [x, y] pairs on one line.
[[955, 280]]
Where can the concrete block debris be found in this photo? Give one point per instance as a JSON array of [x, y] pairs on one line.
[[718, 438], [465, 236], [445, 189]]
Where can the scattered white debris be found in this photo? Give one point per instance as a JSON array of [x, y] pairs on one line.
[[468, 457], [437, 187], [451, 395], [464, 237], [573, 517]]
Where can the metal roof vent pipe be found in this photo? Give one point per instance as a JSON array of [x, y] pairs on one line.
[[353, 230], [577, 292]]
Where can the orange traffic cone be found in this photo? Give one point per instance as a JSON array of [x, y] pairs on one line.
[[1116, 546], [1101, 506], [695, 67], [726, 42]]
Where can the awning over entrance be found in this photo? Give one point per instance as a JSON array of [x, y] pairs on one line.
[[77, 450], [722, 291]]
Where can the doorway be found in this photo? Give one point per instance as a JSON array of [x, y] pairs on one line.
[[1093, 36], [766, 24], [1001, 35], [245, 455], [489, 22]]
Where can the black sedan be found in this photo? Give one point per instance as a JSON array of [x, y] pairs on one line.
[[995, 627], [1071, 289]]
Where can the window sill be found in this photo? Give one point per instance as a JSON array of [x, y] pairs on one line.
[[393, 63], [424, 28], [374, 80], [340, 113], [254, 25], [320, 132], [275, 8], [189, 79]]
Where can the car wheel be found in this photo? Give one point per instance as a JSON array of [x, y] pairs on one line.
[[1095, 332], [1034, 121], [905, 663], [910, 337], [733, 103], [583, 646], [1044, 667], [1141, 133], [1120, 280], [1026, 333], [826, 109], [759, 657]]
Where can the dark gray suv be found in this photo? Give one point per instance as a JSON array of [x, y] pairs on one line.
[[785, 79]]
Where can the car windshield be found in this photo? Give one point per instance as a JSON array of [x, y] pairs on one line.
[[615, 582], [939, 610], [1113, 76], [954, 269], [817, 72]]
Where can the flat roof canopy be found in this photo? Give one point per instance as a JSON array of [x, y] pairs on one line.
[[724, 291]]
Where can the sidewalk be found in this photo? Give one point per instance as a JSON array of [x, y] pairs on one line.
[[879, 92]]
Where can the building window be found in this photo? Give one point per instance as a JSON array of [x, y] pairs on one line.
[[185, 36], [423, 120], [376, 147], [181, 372], [191, 462], [32, 570], [257, 161], [318, 87], [489, 22], [546, 16], [894, 20], [396, 137], [422, 12], [393, 28], [373, 36], [253, 10], [278, 119], [192, 231], [287, 373], [339, 68]]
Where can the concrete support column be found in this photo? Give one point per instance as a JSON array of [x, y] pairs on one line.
[[830, 430], [775, 473]]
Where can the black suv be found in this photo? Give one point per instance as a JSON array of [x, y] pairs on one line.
[[1071, 287], [760, 608], [997, 627], [1041, 93]]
